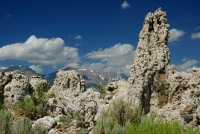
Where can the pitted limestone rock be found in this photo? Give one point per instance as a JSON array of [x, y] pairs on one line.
[[17, 89], [4, 79], [68, 85], [182, 98], [71, 98], [35, 80], [150, 58]]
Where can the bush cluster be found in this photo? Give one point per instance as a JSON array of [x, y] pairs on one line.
[[33, 107], [101, 89], [122, 118], [118, 118], [8, 126]]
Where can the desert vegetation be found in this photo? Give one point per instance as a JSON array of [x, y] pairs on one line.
[[19, 119], [122, 118], [33, 107], [101, 89]]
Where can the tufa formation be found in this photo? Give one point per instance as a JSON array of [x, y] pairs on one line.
[[153, 83]]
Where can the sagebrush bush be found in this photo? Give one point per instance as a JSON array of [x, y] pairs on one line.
[[23, 127], [117, 118], [41, 90], [101, 89], [9, 126], [34, 106], [5, 122], [65, 119]]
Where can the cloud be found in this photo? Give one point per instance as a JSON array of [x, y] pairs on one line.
[[175, 34], [94, 66], [41, 51], [75, 65], [195, 35], [125, 5], [78, 37], [114, 59], [36, 68], [2, 67], [188, 64], [197, 28]]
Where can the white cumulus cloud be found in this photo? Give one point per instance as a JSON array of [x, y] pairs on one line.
[[175, 34], [78, 37], [36, 68], [41, 51], [195, 35], [113, 59], [125, 5], [188, 64]]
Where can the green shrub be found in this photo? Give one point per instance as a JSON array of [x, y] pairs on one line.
[[150, 126], [24, 127], [2, 106], [41, 90], [78, 116], [101, 89], [191, 130], [32, 108], [118, 118], [65, 119], [5, 122]]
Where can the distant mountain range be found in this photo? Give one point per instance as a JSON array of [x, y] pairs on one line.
[[92, 78]]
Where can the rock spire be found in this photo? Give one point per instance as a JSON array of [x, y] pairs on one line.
[[151, 57]]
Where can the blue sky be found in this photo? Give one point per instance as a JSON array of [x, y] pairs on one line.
[[96, 34]]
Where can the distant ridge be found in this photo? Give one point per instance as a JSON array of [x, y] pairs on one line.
[[26, 70], [92, 78]]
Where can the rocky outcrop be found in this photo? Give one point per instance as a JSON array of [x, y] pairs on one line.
[[161, 89], [71, 98], [151, 57], [68, 85], [4, 79], [181, 99], [35, 80], [17, 89]]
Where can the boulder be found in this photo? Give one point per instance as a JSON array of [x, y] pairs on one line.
[[44, 124]]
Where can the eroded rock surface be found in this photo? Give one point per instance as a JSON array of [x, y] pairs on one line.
[[4, 79], [17, 89], [35, 80], [71, 98], [68, 85], [181, 99], [151, 57], [44, 124]]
